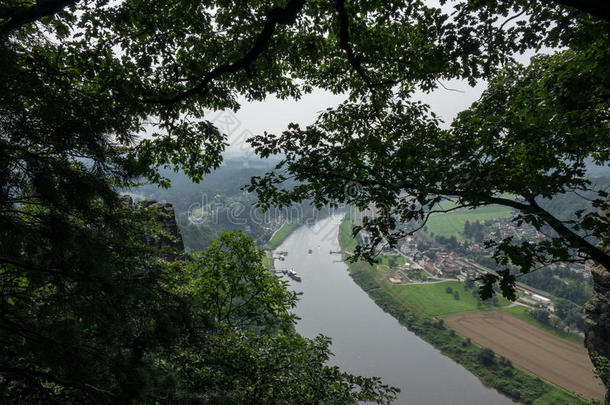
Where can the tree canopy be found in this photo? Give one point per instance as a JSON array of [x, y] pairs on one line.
[[92, 314]]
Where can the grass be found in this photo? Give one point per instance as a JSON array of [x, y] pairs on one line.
[[398, 260], [282, 233], [558, 396], [433, 299], [452, 223], [267, 262], [520, 312], [345, 235]]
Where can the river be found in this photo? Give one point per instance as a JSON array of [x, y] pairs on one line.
[[366, 340]]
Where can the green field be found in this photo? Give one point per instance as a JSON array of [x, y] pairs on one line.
[[345, 235], [433, 299], [559, 396], [452, 223], [520, 312], [282, 233], [398, 260]]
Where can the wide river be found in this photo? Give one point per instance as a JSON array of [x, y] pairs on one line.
[[366, 340]]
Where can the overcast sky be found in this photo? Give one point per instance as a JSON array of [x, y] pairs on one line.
[[273, 115]]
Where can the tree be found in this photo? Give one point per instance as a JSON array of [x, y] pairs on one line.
[[244, 338], [89, 312], [467, 230], [487, 357], [233, 284], [541, 315], [528, 137]]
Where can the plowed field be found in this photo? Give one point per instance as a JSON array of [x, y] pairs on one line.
[[560, 362]]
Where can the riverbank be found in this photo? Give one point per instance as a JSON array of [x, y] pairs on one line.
[[268, 260], [498, 373], [281, 234]]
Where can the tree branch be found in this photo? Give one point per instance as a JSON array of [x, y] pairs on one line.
[[581, 243], [597, 8], [277, 16], [353, 60], [97, 391], [15, 17]]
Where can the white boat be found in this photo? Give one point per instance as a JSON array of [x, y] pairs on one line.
[[293, 275]]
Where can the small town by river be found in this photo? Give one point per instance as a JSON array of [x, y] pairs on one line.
[[366, 340]]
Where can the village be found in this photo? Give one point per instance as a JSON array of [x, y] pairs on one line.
[[416, 261]]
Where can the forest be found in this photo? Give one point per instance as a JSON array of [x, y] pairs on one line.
[[99, 303]]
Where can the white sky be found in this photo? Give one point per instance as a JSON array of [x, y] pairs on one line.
[[273, 115]]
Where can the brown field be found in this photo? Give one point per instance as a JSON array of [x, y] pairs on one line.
[[562, 363]]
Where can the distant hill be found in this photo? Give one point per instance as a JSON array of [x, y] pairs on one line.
[[218, 203]]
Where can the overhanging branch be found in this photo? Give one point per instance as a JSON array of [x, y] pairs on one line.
[[344, 42], [277, 16], [597, 8], [15, 17]]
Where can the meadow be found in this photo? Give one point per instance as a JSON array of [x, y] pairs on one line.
[[433, 299], [452, 223]]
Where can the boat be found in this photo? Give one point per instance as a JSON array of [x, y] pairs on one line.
[[293, 275], [310, 251]]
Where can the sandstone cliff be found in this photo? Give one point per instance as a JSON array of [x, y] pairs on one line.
[[597, 331], [170, 246]]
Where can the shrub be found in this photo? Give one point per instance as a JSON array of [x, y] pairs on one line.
[[486, 357]]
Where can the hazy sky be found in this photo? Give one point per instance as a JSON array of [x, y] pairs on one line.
[[273, 115]]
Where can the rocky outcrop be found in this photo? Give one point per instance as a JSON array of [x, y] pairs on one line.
[[171, 245], [597, 316]]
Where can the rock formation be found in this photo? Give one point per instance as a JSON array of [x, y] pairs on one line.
[[597, 315], [170, 246]]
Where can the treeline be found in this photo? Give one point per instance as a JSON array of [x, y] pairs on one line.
[[475, 231], [450, 243], [203, 210], [566, 315], [220, 203], [561, 282]]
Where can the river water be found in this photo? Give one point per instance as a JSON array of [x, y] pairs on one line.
[[366, 340]]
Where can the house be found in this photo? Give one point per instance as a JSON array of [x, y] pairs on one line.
[[540, 299]]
